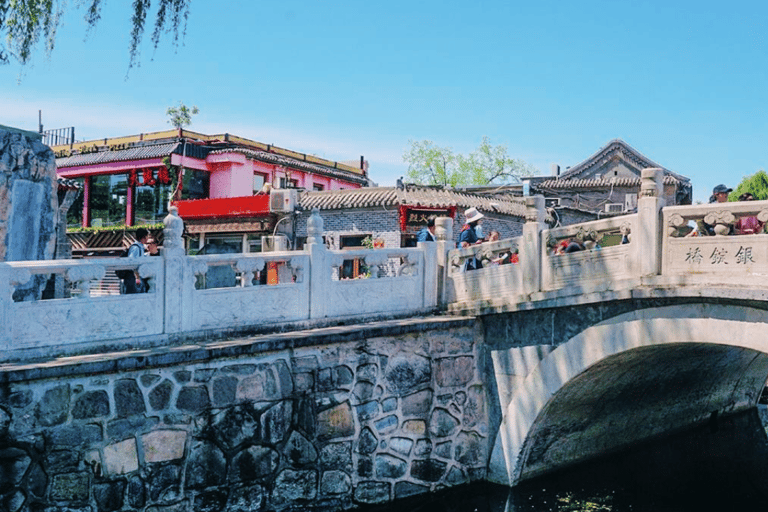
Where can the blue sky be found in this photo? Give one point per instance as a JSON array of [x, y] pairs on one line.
[[684, 83]]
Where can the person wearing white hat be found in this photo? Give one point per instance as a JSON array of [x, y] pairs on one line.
[[471, 234]]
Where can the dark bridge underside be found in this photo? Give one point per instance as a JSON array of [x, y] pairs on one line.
[[639, 395]]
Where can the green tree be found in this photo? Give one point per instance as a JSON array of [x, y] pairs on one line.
[[25, 22], [756, 184], [430, 164], [180, 116]]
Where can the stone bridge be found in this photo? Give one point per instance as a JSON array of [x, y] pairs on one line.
[[330, 393]]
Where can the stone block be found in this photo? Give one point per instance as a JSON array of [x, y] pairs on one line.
[[406, 489], [442, 424], [109, 496], [336, 456], [163, 445], [305, 363], [193, 399], [122, 428], [386, 423], [470, 449], [182, 376], [389, 404], [364, 467], [239, 369], [262, 386], [443, 450], [13, 464], [75, 435], [367, 410], [210, 501], [53, 408], [367, 372], [336, 422], [276, 422], [236, 426], [298, 450], [37, 481], [149, 379], [418, 427], [474, 410], [454, 371], [164, 484], [20, 399], [388, 466], [204, 374], [71, 487], [401, 445], [62, 461], [304, 382], [128, 398], [343, 375], [206, 466], [92, 404], [428, 470], [456, 476], [423, 447], [335, 482], [363, 391], [246, 499], [367, 442], [135, 494], [254, 462], [224, 391], [325, 380], [404, 372], [372, 492], [417, 404], [284, 378], [291, 485], [121, 458], [160, 396]]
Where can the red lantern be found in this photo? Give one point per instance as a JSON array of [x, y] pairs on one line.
[[149, 179], [163, 177], [133, 180]]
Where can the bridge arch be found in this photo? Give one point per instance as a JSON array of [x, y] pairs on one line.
[[630, 378]]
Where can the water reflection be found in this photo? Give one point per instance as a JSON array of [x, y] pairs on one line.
[[719, 466]]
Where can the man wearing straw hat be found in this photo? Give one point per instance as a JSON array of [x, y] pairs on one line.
[[471, 233]]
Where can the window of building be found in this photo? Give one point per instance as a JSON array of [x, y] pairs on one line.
[[195, 185], [286, 183], [317, 186], [75, 212], [354, 267], [108, 199], [151, 204], [258, 181]]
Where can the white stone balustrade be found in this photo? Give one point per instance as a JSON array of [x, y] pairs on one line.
[[398, 281]]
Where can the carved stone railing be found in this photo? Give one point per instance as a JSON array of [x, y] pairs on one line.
[[211, 293], [602, 259], [727, 255]]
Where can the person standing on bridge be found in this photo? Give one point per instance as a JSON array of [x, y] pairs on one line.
[[471, 234], [427, 234]]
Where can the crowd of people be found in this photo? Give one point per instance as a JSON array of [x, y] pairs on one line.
[[747, 225], [145, 245]]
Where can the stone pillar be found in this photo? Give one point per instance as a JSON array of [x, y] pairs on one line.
[[28, 204], [179, 281], [531, 250], [444, 236], [319, 268], [646, 241]]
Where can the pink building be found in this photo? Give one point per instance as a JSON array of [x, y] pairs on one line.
[[130, 180]]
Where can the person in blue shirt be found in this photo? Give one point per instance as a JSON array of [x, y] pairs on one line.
[[133, 282], [471, 234], [427, 234]]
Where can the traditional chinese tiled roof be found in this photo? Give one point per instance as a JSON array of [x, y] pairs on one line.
[[65, 184], [592, 183], [272, 158], [410, 195], [120, 155], [617, 148]]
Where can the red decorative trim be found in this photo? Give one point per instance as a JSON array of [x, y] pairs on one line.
[[223, 207]]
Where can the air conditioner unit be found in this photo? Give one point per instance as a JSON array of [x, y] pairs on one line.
[[614, 208], [282, 200], [275, 243]]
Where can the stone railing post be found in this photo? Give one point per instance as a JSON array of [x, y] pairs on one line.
[[444, 236], [531, 250], [319, 266], [431, 274], [646, 241], [178, 279]]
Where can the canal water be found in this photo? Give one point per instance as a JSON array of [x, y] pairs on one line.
[[722, 466]]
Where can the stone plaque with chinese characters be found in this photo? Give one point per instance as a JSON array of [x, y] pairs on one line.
[[731, 254]]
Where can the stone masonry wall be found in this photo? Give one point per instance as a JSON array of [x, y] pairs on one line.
[[325, 427]]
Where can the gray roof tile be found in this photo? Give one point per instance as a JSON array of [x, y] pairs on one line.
[[121, 155]]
